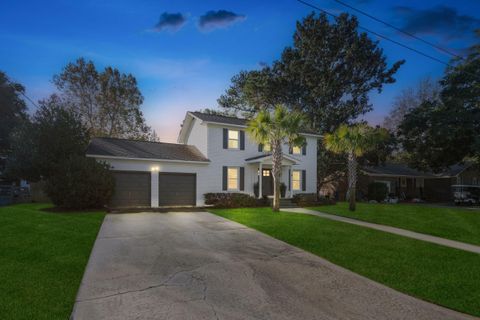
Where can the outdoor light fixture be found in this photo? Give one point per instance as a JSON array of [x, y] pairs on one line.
[[155, 169]]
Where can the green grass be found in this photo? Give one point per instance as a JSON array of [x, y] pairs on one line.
[[450, 223], [438, 274], [42, 259]]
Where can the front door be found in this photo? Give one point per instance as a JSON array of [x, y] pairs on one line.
[[267, 182]]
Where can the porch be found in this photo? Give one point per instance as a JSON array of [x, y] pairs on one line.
[[263, 185]]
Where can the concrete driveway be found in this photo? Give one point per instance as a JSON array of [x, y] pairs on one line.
[[195, 265]]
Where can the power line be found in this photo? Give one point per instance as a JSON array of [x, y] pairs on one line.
[[400, 30], [379, 35], [11, 84]]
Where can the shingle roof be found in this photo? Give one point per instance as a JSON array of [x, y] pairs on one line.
[[455, 170], [220, 119], [400, 169], [259, 157], [395, 169], [230, 120], [143, 150]]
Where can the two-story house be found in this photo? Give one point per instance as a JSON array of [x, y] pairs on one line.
[[213, 154]]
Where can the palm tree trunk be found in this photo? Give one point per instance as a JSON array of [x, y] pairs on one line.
[[352, 181], [276, 172]]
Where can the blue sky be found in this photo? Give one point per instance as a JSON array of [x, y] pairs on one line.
[[184, 59]]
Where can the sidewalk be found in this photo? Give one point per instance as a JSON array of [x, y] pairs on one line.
[[401, 232]]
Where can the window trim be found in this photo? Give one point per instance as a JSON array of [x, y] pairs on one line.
[[299, 180], [299, 150], [237, 179], [237, 140]]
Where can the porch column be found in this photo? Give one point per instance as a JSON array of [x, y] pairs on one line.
[[260, 175], [290, 180]]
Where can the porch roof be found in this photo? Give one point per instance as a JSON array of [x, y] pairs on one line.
[[267, 159]]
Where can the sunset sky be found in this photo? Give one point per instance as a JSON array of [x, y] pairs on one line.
[[183, 53]]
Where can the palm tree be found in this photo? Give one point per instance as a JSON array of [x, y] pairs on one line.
[[354, 141], [276, 128]]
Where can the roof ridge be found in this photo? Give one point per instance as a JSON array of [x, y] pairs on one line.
[[135, 140], [218, 115]]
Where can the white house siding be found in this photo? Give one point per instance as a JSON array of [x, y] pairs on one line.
[[220, 157], [198, 136], [200, 169]]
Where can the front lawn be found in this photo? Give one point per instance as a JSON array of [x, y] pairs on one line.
[[450, 223], [42, 259], [442, 275]]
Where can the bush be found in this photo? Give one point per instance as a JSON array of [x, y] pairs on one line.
[[305, 199], [80, 183], [377, 191], [230, 200], [325, 201]]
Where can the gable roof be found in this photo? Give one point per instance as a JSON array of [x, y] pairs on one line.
[[124, 148], [220, 119], [235, 121], [401, 169], [395, 169], [456, 169]]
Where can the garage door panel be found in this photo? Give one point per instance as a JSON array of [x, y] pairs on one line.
[[176, 189], [132, 189]]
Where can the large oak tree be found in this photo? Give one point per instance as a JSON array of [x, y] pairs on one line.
[[446, 130], [327, 74], [107, 102], [13, 111]]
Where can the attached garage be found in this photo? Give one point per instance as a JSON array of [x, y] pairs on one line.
[[176, 189], [152, 174], [132, 189]]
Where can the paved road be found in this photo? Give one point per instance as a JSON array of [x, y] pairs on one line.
[[402, 232], [187, 265]]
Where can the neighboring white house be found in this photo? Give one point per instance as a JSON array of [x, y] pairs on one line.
[[213, 154]]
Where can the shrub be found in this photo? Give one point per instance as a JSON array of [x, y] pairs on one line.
[[305, 199], [377, 191], [230, 200], [325, 201], [80, 183]]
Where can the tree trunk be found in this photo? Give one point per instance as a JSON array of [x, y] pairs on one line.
[[276, 172], [352, 181]]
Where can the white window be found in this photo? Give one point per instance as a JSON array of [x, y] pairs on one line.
[[296, 180], [233, 139], [232, 178], [296, 150], [267, 147]]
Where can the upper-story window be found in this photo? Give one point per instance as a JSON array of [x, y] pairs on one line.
[[267, 147], [296, 150], [233, 139]]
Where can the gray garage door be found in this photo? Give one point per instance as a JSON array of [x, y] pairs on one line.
[[176, 189], [132, 189]]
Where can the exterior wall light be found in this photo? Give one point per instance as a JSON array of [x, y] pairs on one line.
[[155, 169]]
